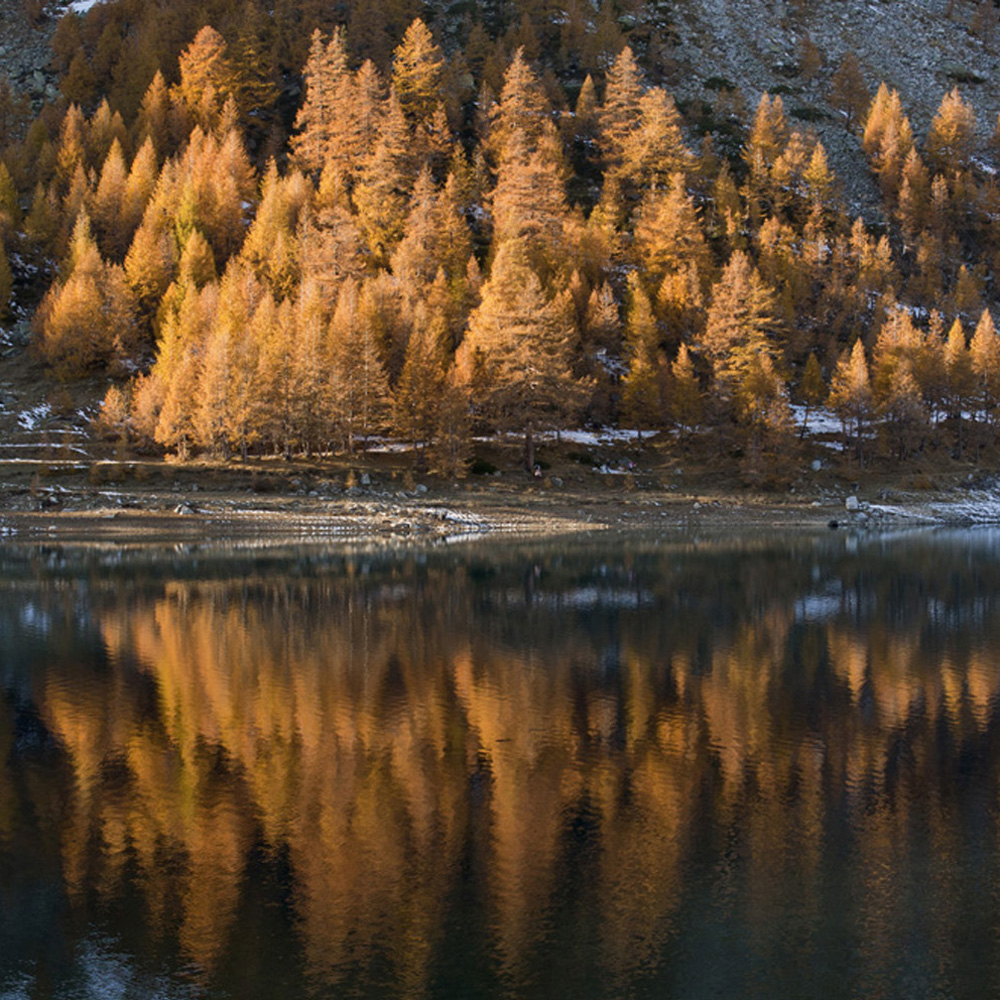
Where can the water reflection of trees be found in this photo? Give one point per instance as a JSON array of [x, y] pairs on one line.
[[383, 731]]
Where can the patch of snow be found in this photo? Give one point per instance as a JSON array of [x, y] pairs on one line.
[[389, 448], [986, 168], [82, 6], [28, 420], [821, 421]]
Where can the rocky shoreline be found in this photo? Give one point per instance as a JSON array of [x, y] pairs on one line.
[[446, 515]]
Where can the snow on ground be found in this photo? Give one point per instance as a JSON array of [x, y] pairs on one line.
[[74, 448], [973, 507], [28, 420], [82, 6], [605, 435], [821, 421]]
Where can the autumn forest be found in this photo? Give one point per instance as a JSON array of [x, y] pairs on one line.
[[290, 230]]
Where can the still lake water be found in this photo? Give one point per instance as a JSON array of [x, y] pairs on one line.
[[710, 767]]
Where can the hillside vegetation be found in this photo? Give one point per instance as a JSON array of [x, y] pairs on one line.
[[289, 229]]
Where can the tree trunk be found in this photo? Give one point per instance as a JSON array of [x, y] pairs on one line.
[[529, 449]]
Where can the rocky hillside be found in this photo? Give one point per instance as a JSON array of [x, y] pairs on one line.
[[923, 48], [790, 47], [24, 50]]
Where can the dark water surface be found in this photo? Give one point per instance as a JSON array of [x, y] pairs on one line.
[[711, 767]]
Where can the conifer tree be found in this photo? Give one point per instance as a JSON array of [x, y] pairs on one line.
[[812, 389], [360, 401], [453, 437], [415, 260], [417, 74], [522, 113], [950, 141], [654, 152], [668, 235], [984, 353], [851, 397], [10, 208], [685, 392], [887, 138], [86, 319], [271, 245], [103, 128], [620, 115], [529, 206], [327, 123], [276, 378], [252, 70], [520, 341], [315, 379], [155, 118], [958, 380], [205, 79], [768, 136], [766, 420], [382, 191], [642, 406], [150, 263], [848, 92], [417, 400], [71, 153], [897, 365], [139, 187], [741, 323], [108, 205]]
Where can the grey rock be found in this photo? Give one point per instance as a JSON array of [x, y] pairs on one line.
[[852, 504]]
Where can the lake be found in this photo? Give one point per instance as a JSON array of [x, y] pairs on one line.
[[708, 766]]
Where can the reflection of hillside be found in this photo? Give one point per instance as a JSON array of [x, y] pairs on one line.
[[386, 733]]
